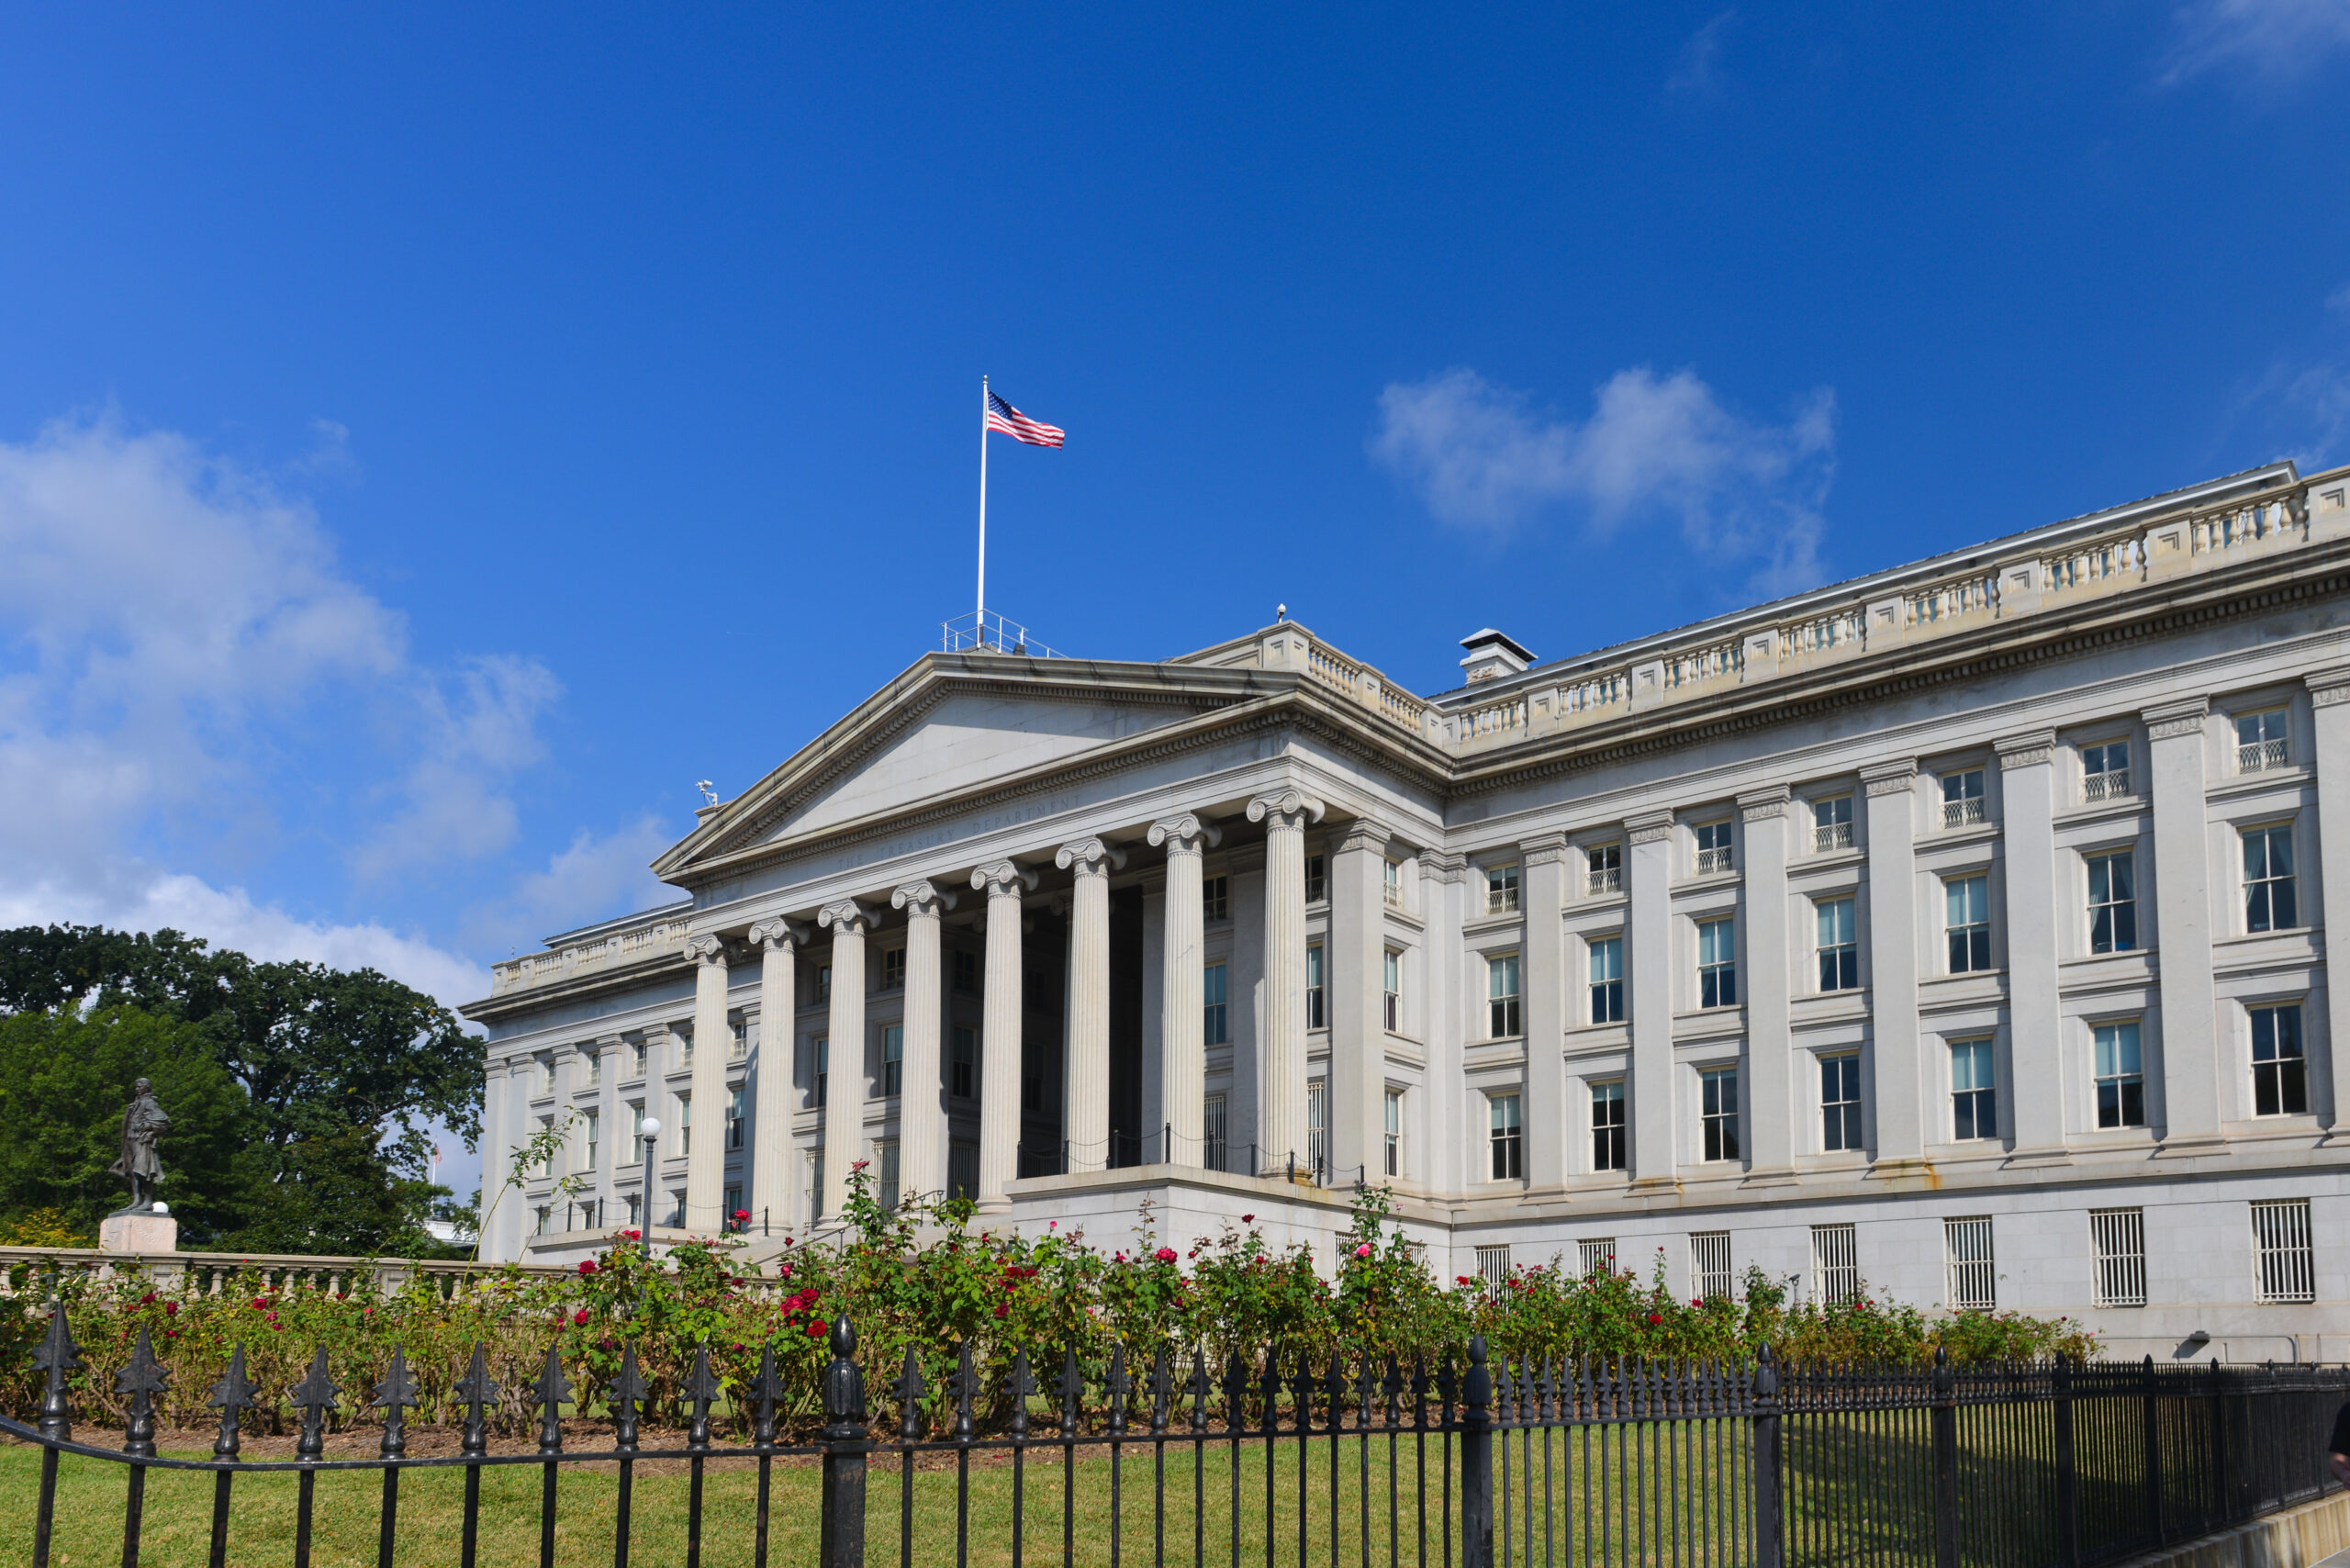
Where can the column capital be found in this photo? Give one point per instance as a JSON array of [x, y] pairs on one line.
[[921, 899], [1442, 865], [847, 917], [2027, 750], [2168, 721], [1890, 777], [1765, 805], [708, 949], [1290, 810], [2328, 687], [777, 934], [1184, 834], [1649, 827], [1362, 834], [1544, 848], [1090, 857], [1002, 879]]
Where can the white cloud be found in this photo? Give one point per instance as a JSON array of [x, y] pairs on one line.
[[2271, 39], [594, 879], [1700, 67], [1482, 457], [478, 729]]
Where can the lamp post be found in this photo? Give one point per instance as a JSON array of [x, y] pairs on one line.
[[650, 1130]]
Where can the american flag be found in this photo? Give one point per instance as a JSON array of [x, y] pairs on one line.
[[1002, 416]]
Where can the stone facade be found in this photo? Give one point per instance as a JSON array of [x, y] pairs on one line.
[[1960, 929]]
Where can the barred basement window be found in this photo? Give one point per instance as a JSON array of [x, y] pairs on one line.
[[815, 1188], [1709, 1265], [1212, 1125], [1318, 1125], [1972, 1277], [1835, 1263], [885, 1184], [2118, 1239], [962, 1169], [1492, 1266], [2282, 1259], [1598, 1254]]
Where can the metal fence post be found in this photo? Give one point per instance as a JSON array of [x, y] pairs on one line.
[[2069, 1511], [846, 1446], [2150, 1435], [2223, 1495], [1477, 1461], [1770, 1530], [1945, 1418]]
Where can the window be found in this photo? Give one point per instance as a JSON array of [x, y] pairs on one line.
[[1318, 879], [2117, 1241], [685, 1049], [546, 1075], [1315, 1017], [962, 1063], [1713, 848], [823, 982], [1718, 963], [2280, 1247], [635, 1150], [1318, 1125], [1607, 1126], [2261, 742], [1215, 1027], [2278, 1074], [1501, 890], [1501, 997], [2268, 894], [2121, 1081], [893, 1060], [738, 1048], [1974, 1102], [635, 1210], [1395, 1132], [2105, 771], [1604, 871], [734, 1205], [1608, 980], [1508, 1138], [545, 1220], [893, 969], [962, 1169], [590, 1130], [595, 1059], [1835, 1263], [546, 1167], [815, 1188], [636, 1059], [1492, 1266], [1211, 1124], [685, 1124], [1717, 1090], [1390, 885], [1962, 801], [1598, 1254], [966, 972], [1831, 824], [1215, 898], [675, 1218], [885, 1173], [1032, 1093], [1391, 991], [1709, 1265], [1839, 949], [1840, 1102], [734, 1124], [1966, 920], [823, 1072], [2113, 903], [1972, 1279]]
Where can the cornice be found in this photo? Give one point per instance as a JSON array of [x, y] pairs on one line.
[[618, 977], [2328, 687]]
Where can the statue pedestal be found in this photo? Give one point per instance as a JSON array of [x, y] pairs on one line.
[[139, 1232]]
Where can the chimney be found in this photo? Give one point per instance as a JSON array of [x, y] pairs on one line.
[[1493, 654]]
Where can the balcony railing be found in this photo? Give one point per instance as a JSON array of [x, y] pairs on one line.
[[1965, 813], [987, 632], [1608, 879], [1713, 862], [2112, 785], [1831, 835], [2262, 757]]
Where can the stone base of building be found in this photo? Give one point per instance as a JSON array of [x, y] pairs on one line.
[[138, 1232]]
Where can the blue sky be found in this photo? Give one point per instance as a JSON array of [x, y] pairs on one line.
[[433, 439]]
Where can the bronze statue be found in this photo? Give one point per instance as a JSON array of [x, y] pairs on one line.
[[142, 1126]]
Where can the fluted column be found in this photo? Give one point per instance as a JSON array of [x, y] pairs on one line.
[[2330, 722], [2036, 1071], [922, 1118], [2191, 1055], [498, 1162], [1896, 1052], [1772, 931], [1652, 964], [1183, 1035], [1353, 990], [1280, 1049], [774, 1166], [706, 1161], [1550, 1120], [1085, 1123], [844, 1084], [999, 1026]]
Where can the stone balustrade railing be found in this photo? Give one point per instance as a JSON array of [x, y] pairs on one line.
[[666, 932], [30, 1270]]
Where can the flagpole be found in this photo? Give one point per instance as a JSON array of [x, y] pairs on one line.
[[983, 624]]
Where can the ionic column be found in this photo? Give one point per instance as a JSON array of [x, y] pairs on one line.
[[1281, 1050], [1542, 897], [2330, 718], [773, 1167], [1652, 960], [1354, 991], [1896, 1052], [2190, 1063], [1182, 1032], [845, 1083], [1000, 1023], [921, 1119], [2036, 1072], [1085, 1120], [706, 1161], [1766, 920]]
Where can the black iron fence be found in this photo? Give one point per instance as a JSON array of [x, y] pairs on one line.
[[1480, 1461]]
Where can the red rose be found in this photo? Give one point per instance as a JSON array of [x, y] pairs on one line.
[[1246, 1218], [580, 1316], [147, 1299], [1003, 1311], [1165, 1254], [1655, 1318], [170, 1309], [743, 1216], [817, 1329], [587, 1265]]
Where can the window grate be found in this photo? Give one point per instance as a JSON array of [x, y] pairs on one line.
[[2283, 1259], [1598, 1256], [1492, 1266], [2117, 1237], [1835, 1263], [1972, 1277], [1709, 1265]]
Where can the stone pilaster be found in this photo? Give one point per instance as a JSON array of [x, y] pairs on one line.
[[1085, 1124], [706, 1160], [2330, 737], [922, 1114], [1651, 962], [1896, 1052], [1281, 1055], [2190, 1069], [1000, 1021], [774, 1163], [2036, 1075], [1182, 1048], [846, 1081], [497, 1097], [1542, 1001], [1772, 934], [1354, 960]]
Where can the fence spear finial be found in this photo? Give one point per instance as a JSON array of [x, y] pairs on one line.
[[58, 1358]]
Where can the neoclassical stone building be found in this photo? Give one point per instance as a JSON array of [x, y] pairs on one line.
[[1960, 929]]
